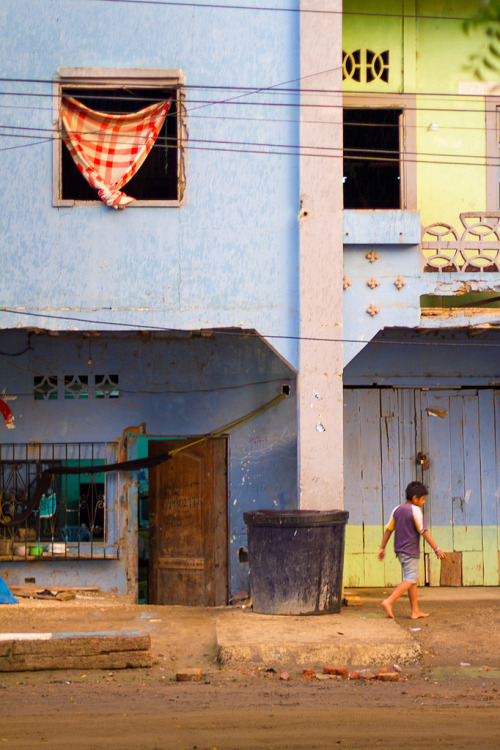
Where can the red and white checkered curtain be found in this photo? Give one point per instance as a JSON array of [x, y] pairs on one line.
[[109, 149]]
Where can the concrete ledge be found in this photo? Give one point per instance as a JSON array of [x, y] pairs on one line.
[[21, 652], [312, 641], [381, 227]]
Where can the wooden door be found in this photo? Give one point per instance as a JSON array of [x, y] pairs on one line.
[[459, 438], [450, 440], [188, 524]]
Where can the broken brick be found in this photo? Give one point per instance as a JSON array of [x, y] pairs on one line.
[[389, 677], [351, 600], [189, 675], [341, 671]]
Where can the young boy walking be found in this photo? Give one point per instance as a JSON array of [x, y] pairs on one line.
[[407, 522]]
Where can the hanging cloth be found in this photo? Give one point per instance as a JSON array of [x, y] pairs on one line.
[[109, 149]]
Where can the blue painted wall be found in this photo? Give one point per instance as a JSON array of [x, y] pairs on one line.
[[178, 385], [229, 255], [382, 272]]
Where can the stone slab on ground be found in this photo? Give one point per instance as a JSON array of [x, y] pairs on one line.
[[276, 640], [99, 650]]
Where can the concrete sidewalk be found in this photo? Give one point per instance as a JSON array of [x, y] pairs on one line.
[[352, 637], [196, 637]]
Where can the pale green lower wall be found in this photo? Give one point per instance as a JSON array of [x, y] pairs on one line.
[[479, 547]]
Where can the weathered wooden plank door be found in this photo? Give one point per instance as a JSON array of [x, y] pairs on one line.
[[450, 440], [188, 524], [460, 469]]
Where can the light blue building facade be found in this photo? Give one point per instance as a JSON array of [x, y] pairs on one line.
[[171, 319]]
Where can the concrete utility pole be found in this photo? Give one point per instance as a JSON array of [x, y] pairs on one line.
[[320, 372]]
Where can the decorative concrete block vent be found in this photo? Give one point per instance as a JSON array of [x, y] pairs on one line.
[[23, 652]]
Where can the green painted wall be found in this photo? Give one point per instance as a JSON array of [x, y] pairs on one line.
[[431, 57], [478, 545]]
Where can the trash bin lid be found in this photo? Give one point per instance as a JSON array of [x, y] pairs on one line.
[[295, 517]]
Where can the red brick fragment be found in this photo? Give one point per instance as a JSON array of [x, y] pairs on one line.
[[189, 675], [389, 677], [383, 670], [341, 671], [308, 673], [354, 675]]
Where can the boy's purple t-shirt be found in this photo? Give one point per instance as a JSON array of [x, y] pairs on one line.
[[407, 522]]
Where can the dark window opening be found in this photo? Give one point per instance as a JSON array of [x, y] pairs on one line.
[[352, 65], [157, 177], [371, 158], [107, 386], [377, 66], [76, 387]]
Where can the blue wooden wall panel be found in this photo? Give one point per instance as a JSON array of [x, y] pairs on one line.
[[371, 478], [457, 461], [472, 461], [488, 458], [352, 457], [389, 442], [497, 455], [407, 438], [438, 450]]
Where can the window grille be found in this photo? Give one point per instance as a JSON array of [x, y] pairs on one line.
[[78, 514]]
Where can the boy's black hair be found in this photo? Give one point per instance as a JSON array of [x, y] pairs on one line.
[[416, 488]]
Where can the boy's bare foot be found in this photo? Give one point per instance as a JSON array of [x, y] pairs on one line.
[[388, 608], [418, 614]]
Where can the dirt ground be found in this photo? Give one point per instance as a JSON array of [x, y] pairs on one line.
[[442, 702]]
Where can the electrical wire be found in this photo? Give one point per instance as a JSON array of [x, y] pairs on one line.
[[236, 100], [134, 391], [445, 160], [290, 10], [445, 128], [225, 332], [78, 82], [386, 155]]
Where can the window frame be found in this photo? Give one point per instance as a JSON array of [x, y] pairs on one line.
[[93, 78], [408, 139], [492, 124]]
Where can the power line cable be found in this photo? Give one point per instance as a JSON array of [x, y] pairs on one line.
[[225, 332], [157, 392], [408, 126], [300, 151], [289, 10], [386, 155], [69, 83]]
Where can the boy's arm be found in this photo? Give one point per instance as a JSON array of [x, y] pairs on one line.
[[385, 539], [430, 540]]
